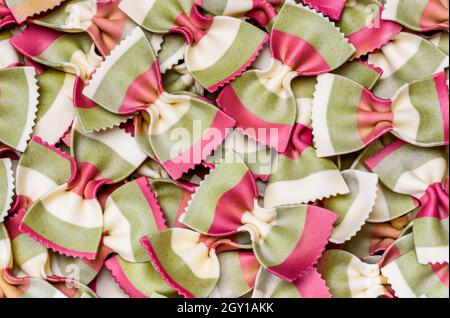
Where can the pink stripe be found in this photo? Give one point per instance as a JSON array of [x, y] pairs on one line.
[[211, 139], [34, 40], [374, 161], [154, 258], [79, 99], [330, 8], [88, 181], [242, 69], [435, 16], [371, 66], [232, 205], [373, 37], [440, 81], [253, 126], [310, 246], [152, 202], [441, 271], [249, 267], [298, 54], [312, 285], [37, 237], [13, 223], [193, 27], [143, 91], [435, 203], [119, 276], [263, 12]]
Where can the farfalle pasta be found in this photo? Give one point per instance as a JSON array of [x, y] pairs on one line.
[[230, 43], [224, 149]]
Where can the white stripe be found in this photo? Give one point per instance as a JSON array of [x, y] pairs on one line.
[[71, 208], [277, 79], [114, 56], [122, 143], [304, 111], [30, 74], [396, 54], [361, 207], [319, 123], [438, 254], [137, 10], [221, 36], [58, 118], [380, 211], [36, 266], [185, 244], [5, 253], [236, 8], [33, 184], [9, 54], [390, 10], [119, 231], [7, 163], [167, 111], [395, 278], [406, 119], [106, 286], [364, 280], [306, 189], [415, 182], [242, 144]]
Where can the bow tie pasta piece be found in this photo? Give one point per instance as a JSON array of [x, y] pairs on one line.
[[102, 20], [24, 9], [179, 130], [402, 62], [347, 117], [18, 102], [309, 285], [69, 219], [418, 15], [262, 101], [219, 48], [422, 174]]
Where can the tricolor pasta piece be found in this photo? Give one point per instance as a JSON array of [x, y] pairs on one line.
[[24, 9], [422, 174], [18, 102], [402, 62], [309, 285], [262, 101], [347, 117], [231, 44], [177, 130], [418, 15], [69, 219], [102, 20]]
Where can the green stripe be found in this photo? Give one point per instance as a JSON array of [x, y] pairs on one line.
[[283, 289], [283, 237], [263, 103], [62, 233], [424, 97], [444, 42], [195, 121], [359, 245], [324, 37], [341, 204], [357, 15], [200, 214], [3, 232], [177, 268], [304, 87], [14, 103], [216, 7], [306, 165], [341, 115], [410, 12], [172, 43], [3, 185], [47, 162], [70, 266], [133, 205], [25, 248], [413, 70], [420, 278], [424, 226], [359, 73], [145, 278], [162, 16], [113, 88], [334, 268], [109, 163], [98, 118], [398, 204], [231, 280], [169, 197], [404, 159], [57, 17], [50, 83], [245, 44]]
